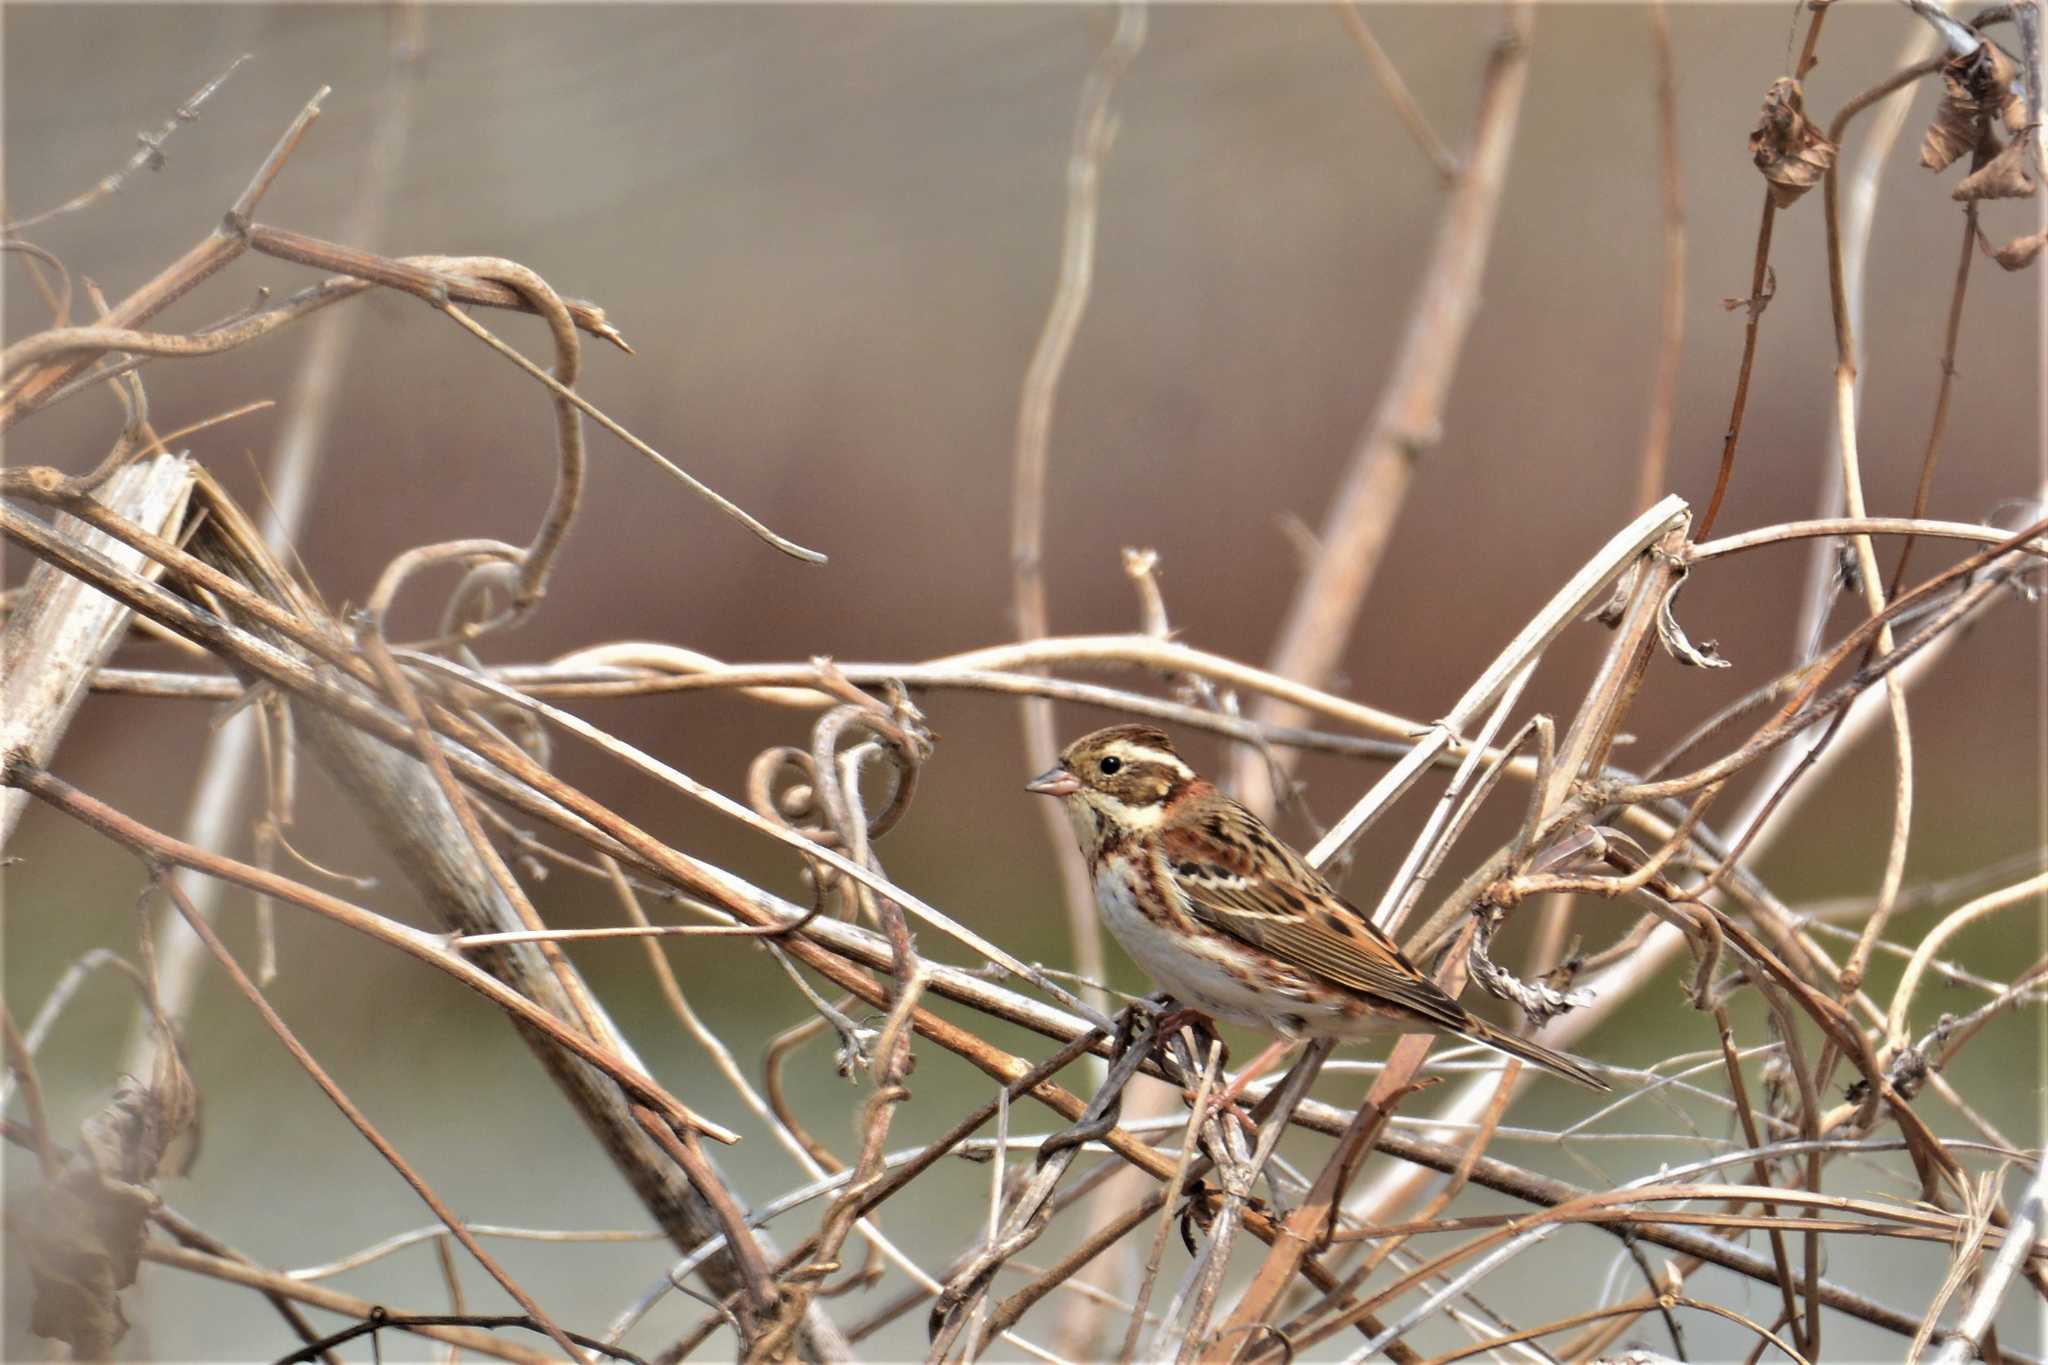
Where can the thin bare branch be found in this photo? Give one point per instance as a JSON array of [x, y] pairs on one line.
[[1094, 130], [1409, 417], [149, 155]]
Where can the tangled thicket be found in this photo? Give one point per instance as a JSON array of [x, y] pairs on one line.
[[1327, 1231]]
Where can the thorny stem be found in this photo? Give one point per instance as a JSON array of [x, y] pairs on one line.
[[1938, 425], [1760, 290], [175, 281], [149, 155], [1761, 287]]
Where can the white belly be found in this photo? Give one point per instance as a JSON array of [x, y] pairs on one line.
[[1214, 979]]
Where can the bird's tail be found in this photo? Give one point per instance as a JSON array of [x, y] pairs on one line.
[[1569, 1067]]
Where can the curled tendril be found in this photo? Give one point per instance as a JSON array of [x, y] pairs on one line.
[[782, 786], [815, 791]]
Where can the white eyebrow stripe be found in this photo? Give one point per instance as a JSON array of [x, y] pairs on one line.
[[1138, 753]]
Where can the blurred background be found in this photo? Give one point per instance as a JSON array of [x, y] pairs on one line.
[[832, 234]]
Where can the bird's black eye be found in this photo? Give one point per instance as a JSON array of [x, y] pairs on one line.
[[1110, 764]]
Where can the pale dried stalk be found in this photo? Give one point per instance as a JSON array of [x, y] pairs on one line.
[[1566, 606], [1618, 984], [1848, 260], [1447, 818], [1582, 754], [149, 155], [1873, 597], [1965, 1258], [362, 1124], [1490, 1173], [1510, 1239], [1858, 219], [1123, 644], [293, 673], [211, 254], [1238, 1179], [1398, 93], [1409, 418], [1671, 305], [788, 683], [1028, 1212], [1845, 526], [1094, 128], [1197, 1107], [61, 630], [684, 783], [898, 975], [1962, 1345], [411, 816], [217, 795], [1952, 923]]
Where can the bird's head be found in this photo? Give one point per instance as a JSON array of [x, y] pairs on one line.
[[1116, 782]]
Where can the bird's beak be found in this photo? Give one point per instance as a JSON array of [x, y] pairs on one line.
[[1054, 782]]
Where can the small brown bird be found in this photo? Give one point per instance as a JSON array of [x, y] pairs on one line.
[[1233, 922]]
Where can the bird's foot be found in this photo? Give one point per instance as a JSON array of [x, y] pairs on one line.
[[1225, 1100]]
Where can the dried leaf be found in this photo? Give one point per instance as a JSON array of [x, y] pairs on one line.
[[2009, 175], [82, 1234], [2019, 253], [1792, 154], [82, 1242], [1703, 655], [176, 1105], [1977, 85]]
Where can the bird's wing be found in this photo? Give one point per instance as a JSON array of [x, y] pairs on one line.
[[1235, 876]]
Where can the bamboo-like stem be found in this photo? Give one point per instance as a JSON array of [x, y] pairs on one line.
[[60, 631]]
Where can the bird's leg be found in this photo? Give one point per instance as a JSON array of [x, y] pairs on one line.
[[1169, 1018], [1225, 1100], [1174, 1017], [1141, 1018]]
